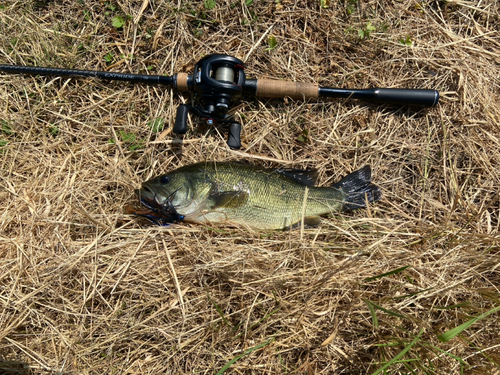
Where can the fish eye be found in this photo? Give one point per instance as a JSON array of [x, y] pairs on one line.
[[164, 180]]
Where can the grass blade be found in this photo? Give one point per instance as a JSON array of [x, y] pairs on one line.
[[463, 304], [448, 354], [219, 310], [447, 336], [386, 274], [246, 352], [372, 312], [390, 312], [400, 355]]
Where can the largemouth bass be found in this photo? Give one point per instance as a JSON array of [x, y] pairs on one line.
[[240, 194]]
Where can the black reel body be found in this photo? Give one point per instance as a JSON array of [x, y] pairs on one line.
[[218, 81]]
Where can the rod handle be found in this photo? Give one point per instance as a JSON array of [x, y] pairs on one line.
[[420, 97], [271, 88]]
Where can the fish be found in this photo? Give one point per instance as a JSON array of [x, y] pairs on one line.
[[239, 194]]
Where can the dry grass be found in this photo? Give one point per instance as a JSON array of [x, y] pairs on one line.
[[87, 289]]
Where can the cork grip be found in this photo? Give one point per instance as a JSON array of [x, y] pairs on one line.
[[270, 88], [182, 82]]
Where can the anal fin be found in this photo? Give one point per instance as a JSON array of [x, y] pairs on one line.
[[309, 222]]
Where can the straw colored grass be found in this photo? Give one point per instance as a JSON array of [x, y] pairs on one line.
[[87, 289]]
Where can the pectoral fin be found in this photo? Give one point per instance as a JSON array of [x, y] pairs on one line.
[[228, 199]]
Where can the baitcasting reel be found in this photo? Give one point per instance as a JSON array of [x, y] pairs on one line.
[[219, 80]]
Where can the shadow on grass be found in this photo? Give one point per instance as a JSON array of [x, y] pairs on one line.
[[14, 368]]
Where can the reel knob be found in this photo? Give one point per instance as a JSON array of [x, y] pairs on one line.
[[180, 125], [233, 138]]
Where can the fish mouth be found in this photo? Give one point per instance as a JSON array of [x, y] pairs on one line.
[[160, 211], [145, 193]]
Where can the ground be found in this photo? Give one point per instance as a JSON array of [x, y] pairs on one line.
[[86, 288]]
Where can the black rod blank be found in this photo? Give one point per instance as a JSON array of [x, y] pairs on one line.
[[135, 78]]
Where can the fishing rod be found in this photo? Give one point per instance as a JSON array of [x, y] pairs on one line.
[[219, 80]]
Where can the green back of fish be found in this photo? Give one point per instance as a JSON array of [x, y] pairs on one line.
[[258, 197]]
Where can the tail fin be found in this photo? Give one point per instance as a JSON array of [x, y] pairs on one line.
[[359, 189]]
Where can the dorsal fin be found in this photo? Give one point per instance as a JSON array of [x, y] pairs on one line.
[[306, 177]]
